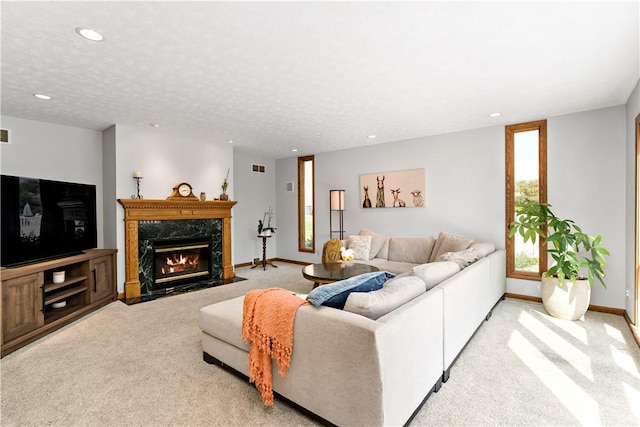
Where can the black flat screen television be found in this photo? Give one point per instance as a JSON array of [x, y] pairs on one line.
[[43, 219]]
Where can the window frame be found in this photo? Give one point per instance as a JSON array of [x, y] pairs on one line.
[[301, 207], [510, 131]]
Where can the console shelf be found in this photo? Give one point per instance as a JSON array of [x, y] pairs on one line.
[[59, 296], [50, 287], [28, 294]]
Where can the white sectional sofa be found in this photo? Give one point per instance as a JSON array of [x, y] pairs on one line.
[[349, 369]]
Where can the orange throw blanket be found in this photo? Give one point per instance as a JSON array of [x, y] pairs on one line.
[[267, 325]]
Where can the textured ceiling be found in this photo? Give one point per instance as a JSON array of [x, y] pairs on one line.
[[315, 76]]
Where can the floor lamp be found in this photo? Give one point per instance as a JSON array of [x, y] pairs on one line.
[[336, 203]]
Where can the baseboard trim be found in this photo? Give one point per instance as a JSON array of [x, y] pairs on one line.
[[601, 309], [598, 308], [243, 264], [290, 261], [634, 329]]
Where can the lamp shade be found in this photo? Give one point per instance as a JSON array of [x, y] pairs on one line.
[[336, 198]]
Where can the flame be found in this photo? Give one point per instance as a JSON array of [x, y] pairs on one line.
[[177, 263]]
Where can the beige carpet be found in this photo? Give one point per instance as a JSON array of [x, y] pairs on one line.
[[142, 365]]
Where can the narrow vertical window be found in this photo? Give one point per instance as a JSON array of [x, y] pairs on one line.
[[526, 181], [306, 209]]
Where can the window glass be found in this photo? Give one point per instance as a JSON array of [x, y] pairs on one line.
[[527, 189], [526, 181], [306, 220]]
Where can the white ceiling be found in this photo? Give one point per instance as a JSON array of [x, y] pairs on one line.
[[317, 76]]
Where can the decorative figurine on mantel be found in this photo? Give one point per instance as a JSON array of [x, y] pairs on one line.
[[225, 184]]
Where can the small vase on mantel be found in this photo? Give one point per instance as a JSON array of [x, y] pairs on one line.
[[224, 186]]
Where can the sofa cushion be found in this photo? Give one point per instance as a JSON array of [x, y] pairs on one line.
[[377, 242], [384, 250], [435, 272], [392, 266], [361, 246], [463, 258], [483, 248], [392, 295], [416, 250], [449, 243], [223, 320], [335, 294]]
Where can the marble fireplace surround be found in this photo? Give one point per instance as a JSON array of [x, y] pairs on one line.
[[137, 210]]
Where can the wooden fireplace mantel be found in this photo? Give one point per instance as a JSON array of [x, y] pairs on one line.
[[136, 210]]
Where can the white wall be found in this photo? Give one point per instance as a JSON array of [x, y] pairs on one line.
[[56, 152], [465, 188], [591, 152], [633, 110], [255, 192], [586, 179], [165, 160], [109, 193]]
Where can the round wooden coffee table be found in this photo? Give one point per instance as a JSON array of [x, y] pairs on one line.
[[324, 273]]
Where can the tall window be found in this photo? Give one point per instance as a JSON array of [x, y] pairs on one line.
[[306, 218], [526, 181]]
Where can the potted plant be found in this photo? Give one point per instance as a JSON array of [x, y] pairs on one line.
[[565, 292], [224, 186]]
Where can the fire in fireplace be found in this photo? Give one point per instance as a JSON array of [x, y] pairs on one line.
[[180, 261]]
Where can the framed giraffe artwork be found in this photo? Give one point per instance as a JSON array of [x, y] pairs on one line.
[[399, 189]]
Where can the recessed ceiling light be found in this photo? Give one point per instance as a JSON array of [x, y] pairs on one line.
[[41, 96], [294, 150], [494, 115], [154, 125], [371, 136], [230, 141], [90, 34]]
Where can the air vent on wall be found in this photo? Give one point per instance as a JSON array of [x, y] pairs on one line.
[[289, 188], [257, 168], [4, 136]]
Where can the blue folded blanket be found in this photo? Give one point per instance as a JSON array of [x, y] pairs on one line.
[[335, 294]]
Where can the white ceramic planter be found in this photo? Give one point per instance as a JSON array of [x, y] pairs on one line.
[[568, 300]]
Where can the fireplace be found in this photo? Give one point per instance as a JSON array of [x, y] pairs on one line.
[[180, 261], [147, 221]]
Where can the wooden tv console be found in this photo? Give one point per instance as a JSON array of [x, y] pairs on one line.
[[28, 294]]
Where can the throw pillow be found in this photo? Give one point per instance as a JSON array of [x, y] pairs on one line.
[[392, 295], [335, 294], [463, 258], [449, 243], [377, 242], [435, 272], [415, 250], [360, 245], [331, 251], [483, 248]]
